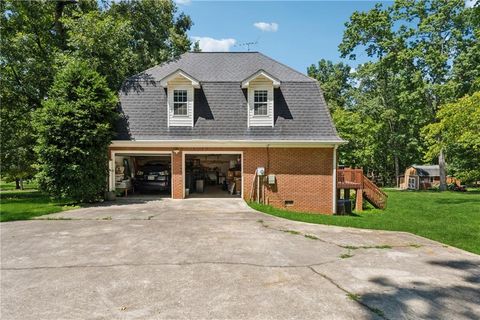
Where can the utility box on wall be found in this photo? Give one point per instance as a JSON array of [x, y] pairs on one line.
[[260, 171], [271, 179]]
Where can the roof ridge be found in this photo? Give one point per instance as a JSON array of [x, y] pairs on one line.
[[286, 66]]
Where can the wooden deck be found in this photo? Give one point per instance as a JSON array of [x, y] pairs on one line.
[[353, 178]]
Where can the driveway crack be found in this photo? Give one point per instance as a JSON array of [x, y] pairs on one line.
[[170, 264], [352, 295]]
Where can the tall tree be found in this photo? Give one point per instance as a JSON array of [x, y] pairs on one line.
[[334, 80], [74, 131], [427, 35], [116, 38], [458, 126]]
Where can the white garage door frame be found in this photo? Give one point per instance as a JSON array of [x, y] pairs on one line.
[[184, 153], [111, 164]]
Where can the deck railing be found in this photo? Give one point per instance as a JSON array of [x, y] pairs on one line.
[[353, 178]]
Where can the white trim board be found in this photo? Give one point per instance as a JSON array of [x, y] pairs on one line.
[[227, 143]]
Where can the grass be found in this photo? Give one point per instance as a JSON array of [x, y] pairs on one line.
[[26, 204], [452, 218]]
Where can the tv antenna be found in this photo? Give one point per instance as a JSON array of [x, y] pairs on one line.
[[247, 44]]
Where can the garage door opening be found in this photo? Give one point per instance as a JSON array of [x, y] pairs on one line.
[[143, 174], [213, 175]]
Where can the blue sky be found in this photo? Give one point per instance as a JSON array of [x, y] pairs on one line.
[[295, 33]]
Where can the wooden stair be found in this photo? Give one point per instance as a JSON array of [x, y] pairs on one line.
[[373, 194], [349, 178]]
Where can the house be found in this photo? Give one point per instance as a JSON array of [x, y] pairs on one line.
[[422, 177], [226, 124]]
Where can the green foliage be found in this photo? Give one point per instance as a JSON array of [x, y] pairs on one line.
[[457, 131], [103, 41], [334, 80], [424, 54], [158, 31], [74, 131], [115, 38]]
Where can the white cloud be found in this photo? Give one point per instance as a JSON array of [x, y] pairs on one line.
[[208, 44], [265, 26], [470, 3], [183, 2]]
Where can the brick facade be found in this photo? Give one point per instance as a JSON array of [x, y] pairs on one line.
[[303, 175]]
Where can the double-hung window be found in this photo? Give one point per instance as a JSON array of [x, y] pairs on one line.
[[260, 103], [180, 103]]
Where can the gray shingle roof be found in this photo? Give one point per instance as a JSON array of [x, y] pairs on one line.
[[224, 66], [220, 105], [429, 170]]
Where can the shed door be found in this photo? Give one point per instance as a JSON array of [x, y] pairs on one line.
[[412, 183]]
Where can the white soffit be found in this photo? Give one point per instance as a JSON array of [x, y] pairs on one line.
[[275, 81], [180, 73]]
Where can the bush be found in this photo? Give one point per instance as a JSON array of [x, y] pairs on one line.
[[74, 129]]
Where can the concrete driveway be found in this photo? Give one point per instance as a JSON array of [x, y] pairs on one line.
[[217, 258]]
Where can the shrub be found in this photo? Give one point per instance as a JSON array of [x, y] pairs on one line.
[[74, 129]]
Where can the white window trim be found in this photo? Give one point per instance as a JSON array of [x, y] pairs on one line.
[[173, 100], [190, 91], [259, 115], [250, 97]]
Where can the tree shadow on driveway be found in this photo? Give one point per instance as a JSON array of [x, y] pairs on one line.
[[430, 301]]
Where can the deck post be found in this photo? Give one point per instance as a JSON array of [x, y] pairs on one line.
[[359, 199]]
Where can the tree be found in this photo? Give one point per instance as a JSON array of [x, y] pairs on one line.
[[457, 132], [334, 80], [196, 47], [158, 31], [116, 38], [75, 127], [425, 38]]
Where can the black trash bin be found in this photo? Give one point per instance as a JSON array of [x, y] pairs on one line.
[[344, 206]]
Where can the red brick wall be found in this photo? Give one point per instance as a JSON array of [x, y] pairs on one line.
[[303, 175]]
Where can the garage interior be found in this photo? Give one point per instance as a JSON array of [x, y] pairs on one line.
[[139, 174], [213, 175]]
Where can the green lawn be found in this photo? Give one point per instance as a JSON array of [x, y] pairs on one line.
[[452, 218], [26, 204]]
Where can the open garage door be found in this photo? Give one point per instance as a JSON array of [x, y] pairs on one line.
[[213, 175], [141, 174]]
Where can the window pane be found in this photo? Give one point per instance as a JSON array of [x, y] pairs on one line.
[[260, 109], [180, 95], [180, 109], [180, 102], [260, 98]]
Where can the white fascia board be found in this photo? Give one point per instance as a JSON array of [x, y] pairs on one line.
[[181, 73], [275, 81], [227, 143]]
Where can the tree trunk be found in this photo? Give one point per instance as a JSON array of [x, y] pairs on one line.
[[59, 28], [443, 174], [397, 170], [17, 184]]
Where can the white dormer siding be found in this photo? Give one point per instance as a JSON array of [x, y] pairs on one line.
[[180, 96], [260, 97], [259, 119], [180, 120]]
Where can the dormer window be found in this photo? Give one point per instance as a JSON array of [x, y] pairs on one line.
[[180, 102], [260, 103], [260, 99], [180, 96]]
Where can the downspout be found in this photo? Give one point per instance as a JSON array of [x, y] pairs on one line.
[[334, 178]]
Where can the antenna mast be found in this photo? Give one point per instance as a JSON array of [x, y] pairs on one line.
[[247, 44]]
